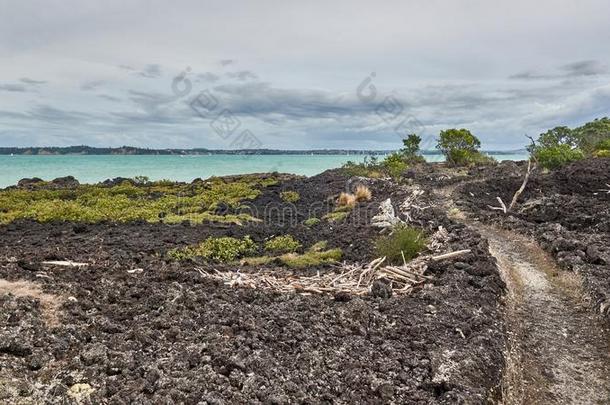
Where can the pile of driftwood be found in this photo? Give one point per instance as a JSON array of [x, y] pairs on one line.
[[353, 279]]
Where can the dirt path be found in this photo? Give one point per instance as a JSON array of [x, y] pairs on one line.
[[558, 351]]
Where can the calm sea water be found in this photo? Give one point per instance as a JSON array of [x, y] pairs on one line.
[[93, 169]]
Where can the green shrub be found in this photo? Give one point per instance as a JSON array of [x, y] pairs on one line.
[[311, 221], [556, 156], [369, 168], [605, 153], [460, 147], [395, 165], [403, 240], [282, 244], [222, 250], [290, 196], [411, 149], [602, 149]]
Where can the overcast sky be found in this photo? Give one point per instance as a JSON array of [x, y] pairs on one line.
[[298, 74]]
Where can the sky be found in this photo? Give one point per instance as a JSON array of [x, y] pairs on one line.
[[298, 74]]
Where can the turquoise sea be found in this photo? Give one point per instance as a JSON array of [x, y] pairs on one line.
[[93, 169]]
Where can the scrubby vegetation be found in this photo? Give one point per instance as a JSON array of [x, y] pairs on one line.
[[461, 148], [562, 145], [370, 167], [221, 250], [404, 240], [290, 196], [282, 244], [132, 201]]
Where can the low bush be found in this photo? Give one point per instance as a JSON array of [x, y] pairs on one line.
[[395, 165], [222, 250], [290, 196], [369, 168], [403, 240], [553, 157], [602, 149], [282, 244]]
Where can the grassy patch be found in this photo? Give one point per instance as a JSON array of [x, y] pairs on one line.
[[290, 196], [311, 258], [128, 201], [282, 244], [363, 193], [316, 255], [222, 250], [311, 221], [336, 216], [403, 240]]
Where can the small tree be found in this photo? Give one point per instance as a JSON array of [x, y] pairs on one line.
[[411, 149], [592, 133], [459, 146], [556, 147]]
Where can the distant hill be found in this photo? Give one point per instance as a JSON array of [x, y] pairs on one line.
[[130, 150]]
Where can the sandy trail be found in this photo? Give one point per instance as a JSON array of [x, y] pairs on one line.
[[559, 353]]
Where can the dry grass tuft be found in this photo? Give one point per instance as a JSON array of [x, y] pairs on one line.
[[346, 200], [363, 193]]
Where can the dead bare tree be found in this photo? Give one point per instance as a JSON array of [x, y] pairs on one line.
[[526, 178]]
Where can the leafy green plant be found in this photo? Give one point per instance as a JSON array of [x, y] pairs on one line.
[[395, 165], [290, 196], [282, 244], [369, 168], [222, 250], [460, 147], [403, 240], [411, 149], [554, 157]]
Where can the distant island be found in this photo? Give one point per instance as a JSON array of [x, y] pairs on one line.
[[130, 150]]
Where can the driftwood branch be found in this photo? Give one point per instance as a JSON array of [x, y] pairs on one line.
[[522, 188], [502, 206], [450, 255]]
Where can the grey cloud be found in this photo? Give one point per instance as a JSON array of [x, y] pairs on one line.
[[91, 85], [227, 62], [242, 75], [109, 98], [571, 70], [150, 71], [208, 77], [17, 88], [32, 82], [585, 68]]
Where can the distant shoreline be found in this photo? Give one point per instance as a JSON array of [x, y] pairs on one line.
[[128, 150]]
